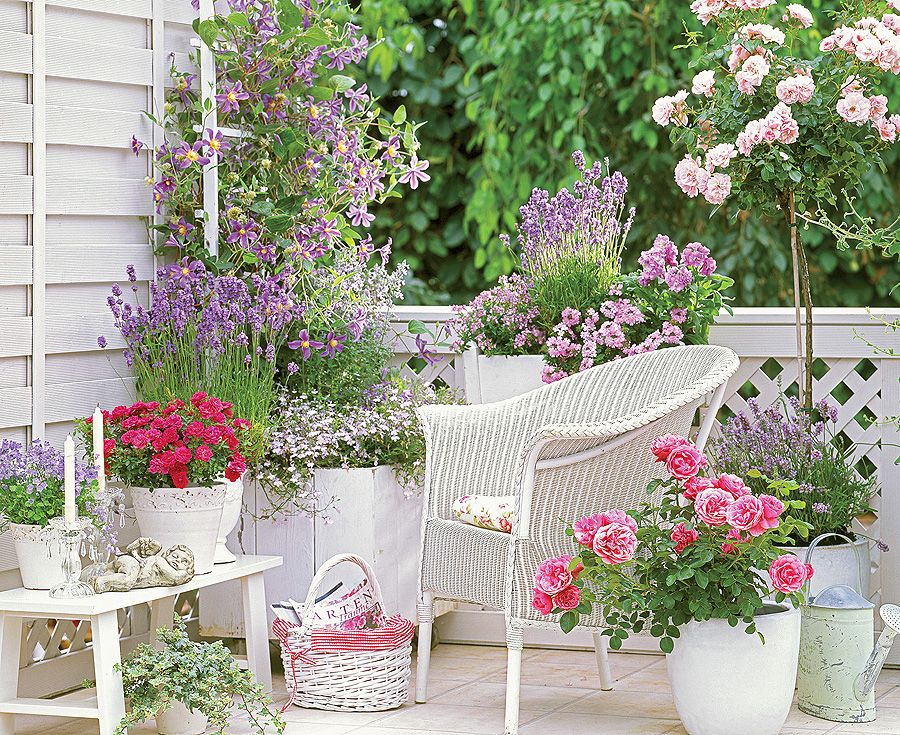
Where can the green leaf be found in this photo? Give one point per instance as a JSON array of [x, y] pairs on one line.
[[417, 327], [208, 30], [666, 644], [239, 20], [341, 82], [568, 621], [279, 222], [289, 15], [400, 115]]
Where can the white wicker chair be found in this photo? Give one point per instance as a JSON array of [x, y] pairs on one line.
[[577, 446]]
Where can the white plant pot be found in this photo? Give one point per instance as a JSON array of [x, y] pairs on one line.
[[490, 379], [40, 562], [838, 564], [231, 514], [726, 682], [179, 720], [189, 516]]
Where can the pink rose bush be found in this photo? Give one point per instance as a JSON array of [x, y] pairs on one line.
[[690, 552]]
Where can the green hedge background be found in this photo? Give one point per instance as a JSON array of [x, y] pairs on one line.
[[509, 88]]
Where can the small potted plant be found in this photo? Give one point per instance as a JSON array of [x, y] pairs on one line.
[[787, 442], [684, 565], [172, 459], [188, 687], [31, 493]]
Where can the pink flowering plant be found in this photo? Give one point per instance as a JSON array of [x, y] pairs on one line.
[[775, 130], [691, 552], [303, 151]]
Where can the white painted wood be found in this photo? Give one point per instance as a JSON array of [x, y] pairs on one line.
[[10, 645], [100, 62], [39, 217], [15, 52], [31, 706], [107, 657], [256, 629], [211, 170], [15, 122], [98, 196], [17, 193], [15, 336], [103, 263], [130, 8], [80, 126], [15, 265]]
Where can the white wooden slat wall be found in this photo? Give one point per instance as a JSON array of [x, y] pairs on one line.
[[75, 79]]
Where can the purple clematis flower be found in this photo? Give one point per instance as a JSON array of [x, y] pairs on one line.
[[357, 323], [392, 150], [229, 99], [334, 343], [243, 233], [415, 174], [311, 163], [305, 344], [215, 141], [357, 97], [184, 86], [365, 248], [359, 215], [185, 271], [188, 154], [166, 184], [328, 229], [136, 145]]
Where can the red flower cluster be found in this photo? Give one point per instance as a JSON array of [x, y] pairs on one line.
[[180, 440]]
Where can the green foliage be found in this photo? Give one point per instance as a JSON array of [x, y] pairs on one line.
[[202, 676], [509, 88], [20, 504]]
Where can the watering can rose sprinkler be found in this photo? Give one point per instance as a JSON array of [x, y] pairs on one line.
[[838, 667]]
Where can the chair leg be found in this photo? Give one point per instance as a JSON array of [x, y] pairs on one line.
[[601, 648], [514, 642], [423, 657]]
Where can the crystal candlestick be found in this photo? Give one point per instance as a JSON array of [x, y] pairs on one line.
[[70, 539]]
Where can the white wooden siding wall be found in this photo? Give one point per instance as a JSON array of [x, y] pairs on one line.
[[75, 78]]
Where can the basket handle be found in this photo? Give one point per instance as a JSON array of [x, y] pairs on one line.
[[320, 577]]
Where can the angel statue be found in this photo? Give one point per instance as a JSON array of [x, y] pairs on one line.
[[145, 564]]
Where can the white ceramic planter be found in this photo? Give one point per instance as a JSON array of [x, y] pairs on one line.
[[490, 379], [726, 682], [231, 514], [39, 565], [189, 516], [179, 720]]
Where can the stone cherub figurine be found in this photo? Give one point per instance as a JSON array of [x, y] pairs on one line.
[[145, 564]]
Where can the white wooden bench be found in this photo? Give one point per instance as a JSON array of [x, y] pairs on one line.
[[108, 706]]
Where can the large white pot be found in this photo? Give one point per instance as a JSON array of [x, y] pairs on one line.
[[179, 720], [490, 379], [39, 557], [231, 514], [189, 516], [838, 564], [726, 682]]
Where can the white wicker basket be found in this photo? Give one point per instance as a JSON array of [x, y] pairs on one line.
[[348, 681]]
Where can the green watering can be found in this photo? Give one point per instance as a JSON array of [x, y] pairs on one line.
[[838, 667]]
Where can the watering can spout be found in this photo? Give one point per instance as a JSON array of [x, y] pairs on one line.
[[865, 682]]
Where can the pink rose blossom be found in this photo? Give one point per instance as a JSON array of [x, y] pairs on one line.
[[854, 108], [704, 83], [732, 484], [663, 445], [685, 462], [772, 510], [553, 575], [683, 536], [542, 602], [745, 513], [615, 543], [879, 106], [585, 528], [797, 12], [718, 187], [796, 89], [711, 506], [618, 516], [720, 156], [868, 49], [762, 32], [788, 573], [706, 10], [568, 598], [696, 485], [671, 109], [690, 176], [734, 535], [887, 131]]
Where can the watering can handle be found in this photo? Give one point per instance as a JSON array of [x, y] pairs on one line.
[[859, 559]]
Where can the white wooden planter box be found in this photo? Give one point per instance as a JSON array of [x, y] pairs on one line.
[[372, 517], [491, 379]]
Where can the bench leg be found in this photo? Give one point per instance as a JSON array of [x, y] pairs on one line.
[[162, 615], [10, 645], [110, 698], [256, 629]]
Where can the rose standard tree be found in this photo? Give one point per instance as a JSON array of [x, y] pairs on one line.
[[774, 131]]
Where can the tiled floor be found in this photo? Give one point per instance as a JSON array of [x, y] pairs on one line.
[[559, 697]]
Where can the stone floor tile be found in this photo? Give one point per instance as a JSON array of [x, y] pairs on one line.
[[564, 723], [624, 703], [452, 718], [493, 694]]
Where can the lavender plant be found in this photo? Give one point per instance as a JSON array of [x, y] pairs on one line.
[[315, 432], [571, 244], [787, 442]]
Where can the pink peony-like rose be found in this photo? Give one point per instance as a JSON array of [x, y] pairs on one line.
[[553, 575], [886, 130], [663, 445], [788, 573], [732, 484], [618, 516], [585, 528], [542, 602], [568, 598], [704, 83], [796, 89], [718, 187], [695, 485], [745, 513], [720, 156], [772, 510], [690, 176], [615, 543], [683, 536], [878, 104], [797, 12], [855, 108], [711, 506], [685, 461]]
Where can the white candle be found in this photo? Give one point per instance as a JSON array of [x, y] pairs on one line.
[[99, 461], [71, 510]]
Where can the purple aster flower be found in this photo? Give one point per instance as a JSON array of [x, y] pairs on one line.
[[305, 344], [185, 271], [311, 163], [230, 98], [328, 229], [415, 173], [334, 343], [243, 233], [365, 248], [215, 141], [186, 154]]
